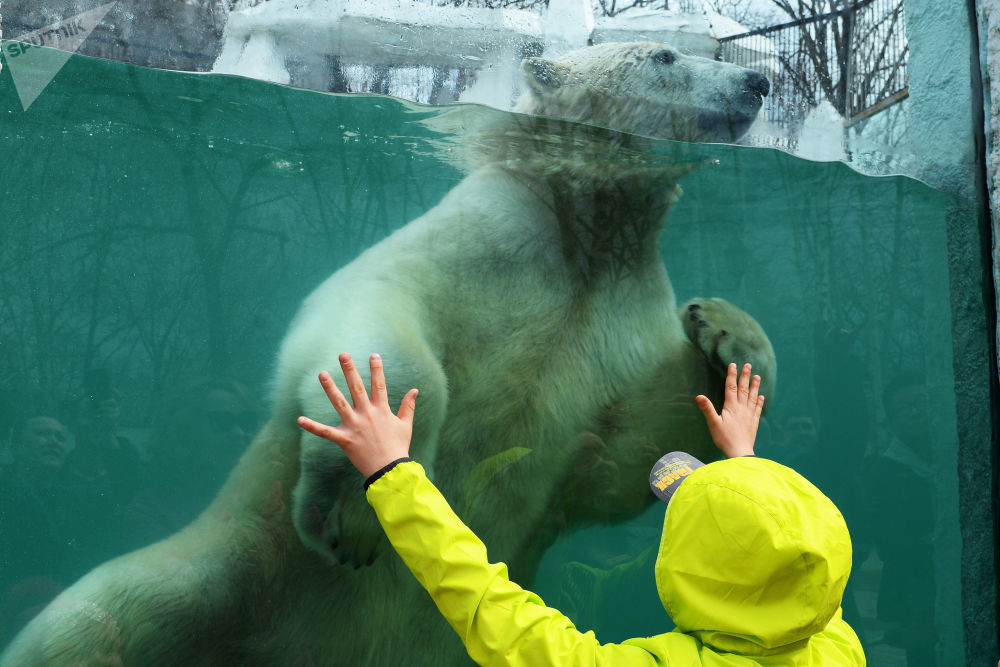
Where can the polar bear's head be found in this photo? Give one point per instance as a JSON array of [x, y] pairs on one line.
[[646, 88]]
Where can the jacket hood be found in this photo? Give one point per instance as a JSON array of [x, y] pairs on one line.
[[753, 558]]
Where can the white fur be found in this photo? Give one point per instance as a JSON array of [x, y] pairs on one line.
[[532, 310]]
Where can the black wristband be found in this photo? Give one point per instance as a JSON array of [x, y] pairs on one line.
[[383, 470]]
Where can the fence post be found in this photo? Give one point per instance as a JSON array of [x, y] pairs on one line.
[[845, 57]]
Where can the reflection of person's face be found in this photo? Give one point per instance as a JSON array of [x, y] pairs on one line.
[[227, 422], [43, 444], [908, 413], [801, 432]]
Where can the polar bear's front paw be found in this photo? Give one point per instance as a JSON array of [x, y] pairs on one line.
[[726, 334], [345, 534], [330, 513]]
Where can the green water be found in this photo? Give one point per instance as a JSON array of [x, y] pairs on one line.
[[165, 227]]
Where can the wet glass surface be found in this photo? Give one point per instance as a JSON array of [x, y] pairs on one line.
[[162, 229]]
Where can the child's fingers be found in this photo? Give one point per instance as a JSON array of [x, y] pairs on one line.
[[705, 405], [744, 383], [379, 395], [754, 390], [758, 409], [359, 394], [322, 430], [408, 406], [731, 384], [337, 399]]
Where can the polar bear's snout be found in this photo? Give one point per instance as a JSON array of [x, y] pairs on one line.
[[758, 83], [729, 113]]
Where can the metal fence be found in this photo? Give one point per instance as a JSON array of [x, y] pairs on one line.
[[855, 58], [531, 5], [600, 7], [613, 7]]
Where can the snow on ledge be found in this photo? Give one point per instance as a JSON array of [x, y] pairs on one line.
[[259, 39], [689, 32], [373, 31]]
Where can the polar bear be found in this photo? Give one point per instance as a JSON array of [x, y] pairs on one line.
[[540, 269]]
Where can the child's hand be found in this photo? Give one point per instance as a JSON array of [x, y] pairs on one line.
[[735, 430], [369, 433]]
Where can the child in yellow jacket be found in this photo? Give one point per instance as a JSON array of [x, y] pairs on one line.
[[751, 567]]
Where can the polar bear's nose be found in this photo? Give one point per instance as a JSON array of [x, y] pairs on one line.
[[758, 83]]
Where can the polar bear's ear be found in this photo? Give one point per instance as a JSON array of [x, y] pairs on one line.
[[543, 75]]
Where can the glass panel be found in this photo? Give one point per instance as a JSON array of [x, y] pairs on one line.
[[834, 66], [162, 229]]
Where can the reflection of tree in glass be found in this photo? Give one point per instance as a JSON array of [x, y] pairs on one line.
[[494, 4], [852, 54], [746, 13], [601, 7], [162, 244], [860, 268], [613, 8]]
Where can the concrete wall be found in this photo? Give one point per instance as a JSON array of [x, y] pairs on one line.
[[949, 44]]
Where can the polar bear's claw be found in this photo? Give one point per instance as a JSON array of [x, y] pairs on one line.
[[727, 334]]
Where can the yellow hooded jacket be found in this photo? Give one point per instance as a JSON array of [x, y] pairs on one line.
[[751, 567]]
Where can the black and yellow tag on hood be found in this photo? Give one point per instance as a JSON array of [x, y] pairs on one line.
[[668, 473]]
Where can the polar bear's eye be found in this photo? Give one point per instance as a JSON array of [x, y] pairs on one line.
[[665, 57]]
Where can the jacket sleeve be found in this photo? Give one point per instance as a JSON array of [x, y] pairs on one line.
[[499, 622]]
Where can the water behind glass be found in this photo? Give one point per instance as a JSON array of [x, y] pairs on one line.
[[165, 227]]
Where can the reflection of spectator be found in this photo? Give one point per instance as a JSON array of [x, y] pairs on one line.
[[844, 422], [798, 444], [33, 541], [101, 473], [822, 455], [901, 490], [7, 416], [22, 602], [38, 446], [801, 432], [200, 433]]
